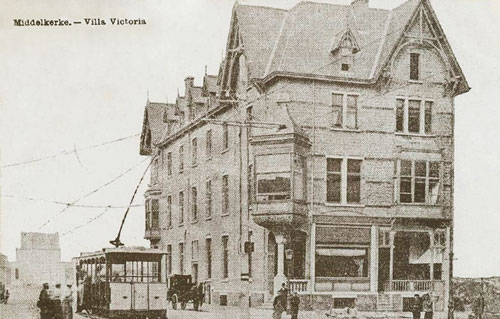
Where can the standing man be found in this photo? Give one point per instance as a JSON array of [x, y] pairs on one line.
[[68, 302], [416, 307], [278, 306], [283, 292], [44, 303], [294, 305], [57, 298]]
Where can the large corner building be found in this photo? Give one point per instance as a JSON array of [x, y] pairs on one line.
[[321, 155]]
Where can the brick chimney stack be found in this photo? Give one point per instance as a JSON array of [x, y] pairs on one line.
[[189, 83], [360, 4]]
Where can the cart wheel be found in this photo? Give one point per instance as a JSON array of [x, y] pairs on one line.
[[174, 302], [183, 305]]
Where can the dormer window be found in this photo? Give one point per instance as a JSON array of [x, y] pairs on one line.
[[344, 46]]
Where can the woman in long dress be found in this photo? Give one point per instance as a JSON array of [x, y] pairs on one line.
[[278, 307]]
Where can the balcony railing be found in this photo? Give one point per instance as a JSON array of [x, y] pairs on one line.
[[413, 285], [298, 285]]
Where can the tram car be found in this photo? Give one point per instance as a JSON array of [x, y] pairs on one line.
[[124, 282]]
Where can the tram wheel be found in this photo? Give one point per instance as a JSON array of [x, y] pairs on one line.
[[183, 305]]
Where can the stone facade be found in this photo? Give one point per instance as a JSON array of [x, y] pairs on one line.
[[341, 177]]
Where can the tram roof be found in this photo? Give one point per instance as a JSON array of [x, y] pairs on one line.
[[120, 250]]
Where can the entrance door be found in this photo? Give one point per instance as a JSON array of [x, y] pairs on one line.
[[384, 259], [140, 296]]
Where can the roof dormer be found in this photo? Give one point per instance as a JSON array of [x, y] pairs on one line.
[[345, 43]]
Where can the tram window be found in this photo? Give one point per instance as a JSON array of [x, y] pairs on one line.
[[118, 272]]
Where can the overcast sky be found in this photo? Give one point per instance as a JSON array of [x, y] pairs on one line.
[[70, 87]]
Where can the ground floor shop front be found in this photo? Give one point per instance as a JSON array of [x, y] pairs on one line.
[[372, 266]]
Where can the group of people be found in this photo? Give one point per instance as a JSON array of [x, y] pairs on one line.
[[280, 303], [4, 295], [55, 303], [424, 304]]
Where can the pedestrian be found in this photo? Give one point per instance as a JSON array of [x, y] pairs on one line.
[[278, 306], [427, 306], [416, 307], [294, 305], [68, 303], [44, 303], [6, 296], [283, 292], [56, 301]]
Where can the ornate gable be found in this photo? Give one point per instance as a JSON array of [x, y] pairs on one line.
[[423, 32]]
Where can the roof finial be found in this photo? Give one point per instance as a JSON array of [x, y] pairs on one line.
[[147, 95], [178, 95], [205, 69]]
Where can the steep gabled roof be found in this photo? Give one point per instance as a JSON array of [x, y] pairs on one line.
[[209, 85], [299, 40], [154, 123]]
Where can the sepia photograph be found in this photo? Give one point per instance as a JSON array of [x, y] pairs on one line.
[[227, 159]]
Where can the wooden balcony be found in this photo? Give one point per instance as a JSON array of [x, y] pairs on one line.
[[414, 285], [301, 286]]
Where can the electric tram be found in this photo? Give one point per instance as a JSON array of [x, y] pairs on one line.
[[122, 282]]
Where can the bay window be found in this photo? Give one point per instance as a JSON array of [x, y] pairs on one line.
[[273, 177]]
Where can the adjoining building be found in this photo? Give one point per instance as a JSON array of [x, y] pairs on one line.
[[321, 155], [4, 270], [39, 261]]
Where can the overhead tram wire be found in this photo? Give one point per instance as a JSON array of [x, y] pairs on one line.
[[67, 203], [66, 152], [106, 209], [92, 192], [117, 242]]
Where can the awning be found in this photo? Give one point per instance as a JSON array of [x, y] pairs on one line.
[[347, 252]]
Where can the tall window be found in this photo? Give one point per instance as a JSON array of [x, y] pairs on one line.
[[208, 248], [148, 214], [181, 258], [414, 66], [181, 208], [208, 146], [169, 163], [169, 210], [194, 151], [345, 111], [250, 186], [225, 137], [169, 259], [194, 204], [181, 158], [155, 214], [194, 250], [225, 195], [418, 182], [225, 256], [208, 199], [414, 116], [343, 181]]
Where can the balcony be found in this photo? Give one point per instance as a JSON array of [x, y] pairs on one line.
[[279, 213], [152, 234], [414, 285]]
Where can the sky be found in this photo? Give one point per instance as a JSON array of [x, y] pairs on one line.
[[66, 88]]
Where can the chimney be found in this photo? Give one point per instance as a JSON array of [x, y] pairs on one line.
[[189, 82], [360, 4]]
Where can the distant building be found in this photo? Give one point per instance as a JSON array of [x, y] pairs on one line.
[[320, 156], [4, 270], [39, 260]]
